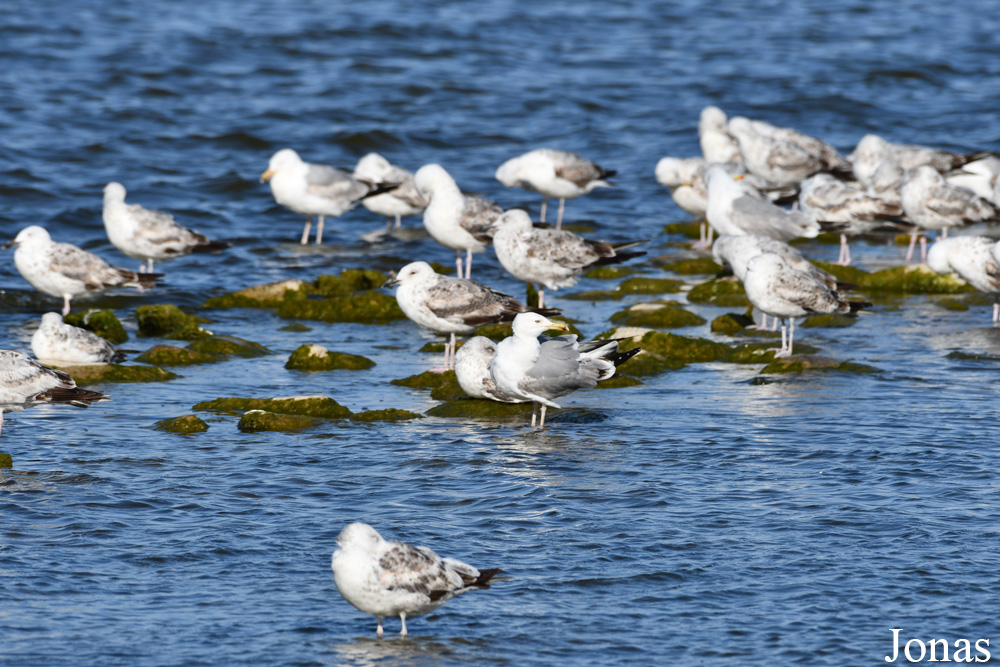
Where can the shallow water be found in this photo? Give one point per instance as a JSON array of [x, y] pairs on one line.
[[700, 518]]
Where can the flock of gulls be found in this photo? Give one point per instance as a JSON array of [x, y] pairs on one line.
[[756, 186]]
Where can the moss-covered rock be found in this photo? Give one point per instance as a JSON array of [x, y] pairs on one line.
[[6, 461], [502, 330], [369, 307], [112, 373], [297, 327], [387, 415], [760, 352], [168, 321], [348, 282], [426, 380], [691, 230], [322, 407], [168, 355], [913, 279], [269, 295], [684, 349], [689, 266], [595, 295], [104, 323], [183, 424], [618, 381], [799, 363], [851, 275], [731, 324], [656, 316], [437, 347], [477, 408], [951, 304], [829, 320], [613, 272], [449, 390], [726, 292], [255, 421], [228, 345], [650, 286], [972, 356], [318, 358]]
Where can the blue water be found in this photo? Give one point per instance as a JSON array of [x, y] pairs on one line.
[[700, 518]]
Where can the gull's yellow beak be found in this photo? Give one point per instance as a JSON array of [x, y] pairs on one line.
[[740, 177], [562, 326], [266, 175]]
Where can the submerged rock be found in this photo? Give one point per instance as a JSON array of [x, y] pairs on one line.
[[913, 279], [295, 326], [797, 363], [168, 321], [685, 349], [6, 461], [691, 230], [851, 275], [731, 323], [269, 295], [690, 266], [85, 374], [322, 407], [426, 380], [183, 424], [478, 408], [650, 286], [228, 345], [256, 421], [618, 381], [369, 307], [972, 356], [609, 272], [104, 323], [348, 282], [389, 414], [318, 358], [950, 303], [829, 320], [720, 292], [657, 316], [168, 355]]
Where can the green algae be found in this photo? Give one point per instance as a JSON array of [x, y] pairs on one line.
[[6, 461], [104, 323], [322, 407], [829, 320], [368, 307], [168, 355], [318, 358], [85, 374], [295, 327], [386, 415], [691, 230], [348, 282], [726, 292], [851, 275], [972, 356], [913, 279], [228, 345], [256, 421], [269, 295], [478, 408], [595, 295], [184, 424], [800, 363], [650, 286], [731, 324], [448, 391], [613, 272], [951, 304], [690, 266], [657, 316], [683, 349], [619, 381], [426, 380], [168, 321]]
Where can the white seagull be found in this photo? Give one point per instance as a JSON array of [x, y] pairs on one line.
[[872, 151], [452, 305], [716, 143], [455, 220], [314, 189], [527, 368], [148, 235], [402, 201], [781, 155], [391, 578], [57, 341], [553, 258], [472, 368], [976, 260], [732, 211], [555, 174], [779, 290], [63, 270]]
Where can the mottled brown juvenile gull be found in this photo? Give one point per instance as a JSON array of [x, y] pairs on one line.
[[732, 211], [781, 155], [976, 261], [63, 270], [530, 369], [980, 176], [716, 143], [472, 368], [56, 341], [557, 174], [403, 200], [314, 189], [826, 199], [553, 258], [931, 204], [453, 219], [452, 305], [148, 235], [872, 151], [779, 290], [391, 578]]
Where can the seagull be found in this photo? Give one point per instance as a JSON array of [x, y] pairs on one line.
[[532, 370], [732, 211], [826, 199], [472, 368], [390, 578], [872, 150], [452, 305], [314, 189], [57, 341], [402, 201], [455, 220], [783, 156], [149, 235], [553, 258], [980, 176], [555, 174], [716, 143], [777, 289], [932, 204], [975, 259], [62, 269], [24, 381]]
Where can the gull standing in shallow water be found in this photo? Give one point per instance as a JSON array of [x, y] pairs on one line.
[[555, 174], [532, 370], [314, 189], [553, 258], [452, 305], [732, 211], [63, 270], [472, 369], [147, 235], [976, 260], [453, 219], [403, 200], [781, 155], [57, 341], [391, 578], [779, 290]]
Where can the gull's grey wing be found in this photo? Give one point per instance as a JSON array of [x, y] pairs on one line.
[[804, 291], [415, 570], [760, 217], [78, 264], [478, 216], [958, 202], [22, 378], [559, 370], [160, 228], [324, 181], [469, 301], [577, 169]]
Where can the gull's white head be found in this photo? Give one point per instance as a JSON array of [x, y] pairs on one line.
[[720, 183], [532, 325], [515, 218], [937, 255], [765, 263], [674, 171], [359, 536], [284, 159], [29, 236], [372, 167], [712, 118], [412, 273], [926, 177], [51, 319], [738, 125], [509, 172], [114, 192], [477, 347], [432, 177]]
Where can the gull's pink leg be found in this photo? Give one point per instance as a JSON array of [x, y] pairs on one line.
[[923, 249], [458, 262], [545, 205], [996, 313], [306, 229], [453, 345], [399, 221], [1, 419], [845, 251], [791, 335], [534, 414], [65, 306], [542, 423], [913, 244], [562, 206], [402, 618], [468, 264], [378, 631], [319, 231], [541, 297], [763, 323]]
